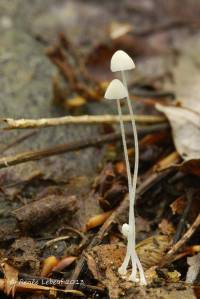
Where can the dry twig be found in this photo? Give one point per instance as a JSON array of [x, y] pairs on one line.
[[182, 241], [77, 145], [83, 119]]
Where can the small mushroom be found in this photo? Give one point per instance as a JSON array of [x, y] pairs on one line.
[[116, 90], [122, 62]]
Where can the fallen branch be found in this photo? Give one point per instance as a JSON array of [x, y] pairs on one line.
[[77, 145], [83, 119]]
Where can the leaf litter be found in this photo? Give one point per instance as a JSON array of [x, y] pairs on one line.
[[102, 206]]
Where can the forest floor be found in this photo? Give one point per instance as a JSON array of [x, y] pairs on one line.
[[63, 188]]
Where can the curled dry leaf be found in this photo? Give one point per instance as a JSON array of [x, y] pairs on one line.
[[185, 125], [48, 265]]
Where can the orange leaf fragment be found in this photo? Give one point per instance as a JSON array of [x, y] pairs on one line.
[[97, 220], [48, 264]]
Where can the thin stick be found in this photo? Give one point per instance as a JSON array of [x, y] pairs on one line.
[[63, 148], [181, 224], [182, 241], [17, 141], [83, 119], [61, 238]]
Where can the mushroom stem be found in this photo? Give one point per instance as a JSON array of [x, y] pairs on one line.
[[135, 137], [133, 187], [131, 233], [124, 146]]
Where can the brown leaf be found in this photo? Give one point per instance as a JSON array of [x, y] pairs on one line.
[[166, 227], [93, 266], [64, 263], [178, 205], [191, 166], [11, 279]]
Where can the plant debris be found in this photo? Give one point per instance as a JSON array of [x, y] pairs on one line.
[[63, 181]]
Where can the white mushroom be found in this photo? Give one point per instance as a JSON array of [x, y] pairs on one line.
[[116, 90], [121, 61]]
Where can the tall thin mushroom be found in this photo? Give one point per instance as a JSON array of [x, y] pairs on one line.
[[122, 62], [116, 90]]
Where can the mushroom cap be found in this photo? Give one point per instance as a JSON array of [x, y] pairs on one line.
[[116, 90], [121, 61]]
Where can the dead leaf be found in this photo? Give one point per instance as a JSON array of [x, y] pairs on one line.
[[191, 166], [166, 227], [178, 205], [194, 268], [119, 29], [64, 263], [186, 130], [11, 278], [152, 250]]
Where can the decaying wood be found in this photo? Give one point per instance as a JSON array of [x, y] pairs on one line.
[[77, 145], [45, 209], [83, 119]]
